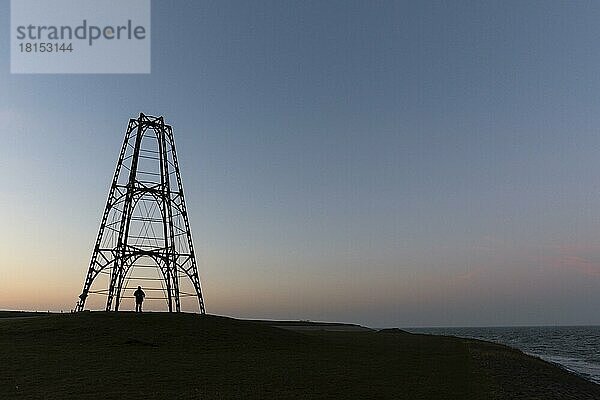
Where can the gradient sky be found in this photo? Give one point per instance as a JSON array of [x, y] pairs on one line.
[[386, 163]]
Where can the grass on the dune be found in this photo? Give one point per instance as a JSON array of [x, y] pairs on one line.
[[155, 355]]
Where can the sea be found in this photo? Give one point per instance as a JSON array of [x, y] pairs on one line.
[[574, 348]]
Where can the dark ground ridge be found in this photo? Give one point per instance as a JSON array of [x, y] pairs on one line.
[[187, 356]]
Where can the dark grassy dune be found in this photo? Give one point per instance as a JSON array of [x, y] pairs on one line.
[[161, 356]]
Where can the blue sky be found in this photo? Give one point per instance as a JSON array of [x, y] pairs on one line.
[[387, 163]]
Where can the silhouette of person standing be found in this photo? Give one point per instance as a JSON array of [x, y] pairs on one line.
[[139, 299]]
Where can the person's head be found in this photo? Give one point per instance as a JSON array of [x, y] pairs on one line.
[[139, 287]]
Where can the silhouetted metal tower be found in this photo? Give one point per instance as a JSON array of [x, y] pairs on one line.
[[145, 225]]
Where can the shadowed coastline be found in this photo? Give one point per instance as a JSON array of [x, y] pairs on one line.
[[187, 356]]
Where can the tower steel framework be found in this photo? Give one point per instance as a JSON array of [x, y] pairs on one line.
[[145, 224]]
